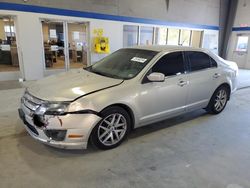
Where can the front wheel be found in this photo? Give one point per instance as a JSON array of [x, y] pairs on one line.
[[112, 129], [219, 100]]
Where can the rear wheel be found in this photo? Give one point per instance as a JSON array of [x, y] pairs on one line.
[[219, 100], [112, 129]]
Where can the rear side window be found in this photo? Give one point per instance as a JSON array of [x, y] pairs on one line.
[[199, 61], [213, 62], [170, 64]]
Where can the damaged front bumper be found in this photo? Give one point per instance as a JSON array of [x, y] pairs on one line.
[[69, 131]]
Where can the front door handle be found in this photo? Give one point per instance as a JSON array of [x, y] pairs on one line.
[[182, 83], [216, 75]]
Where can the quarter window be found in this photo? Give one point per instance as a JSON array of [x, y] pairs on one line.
[[198, 60], [170, 64], [213, 62]]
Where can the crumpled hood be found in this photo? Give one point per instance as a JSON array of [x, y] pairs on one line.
[[70, 85]]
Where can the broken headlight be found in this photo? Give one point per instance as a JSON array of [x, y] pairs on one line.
[[53, 108]]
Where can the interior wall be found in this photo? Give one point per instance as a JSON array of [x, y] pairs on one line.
[[79, 28], [31, 43], [204, 12], [112, 30], [241, 27], [242, 14]]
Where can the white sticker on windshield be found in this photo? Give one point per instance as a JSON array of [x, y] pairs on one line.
[[139, 59]]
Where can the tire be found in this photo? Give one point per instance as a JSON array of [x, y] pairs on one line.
[[219, 100], [111, 131]]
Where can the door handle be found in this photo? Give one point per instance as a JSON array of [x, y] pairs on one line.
[[216, 75], [182, 83]]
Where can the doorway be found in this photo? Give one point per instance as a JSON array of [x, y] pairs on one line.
[[53, 43], [9, 61], [240, 52], [78, 45], [65, 45]]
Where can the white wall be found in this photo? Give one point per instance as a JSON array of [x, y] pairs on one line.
[[242, 14], [112, 30], [241, 21], [185, 11], [30, 42]]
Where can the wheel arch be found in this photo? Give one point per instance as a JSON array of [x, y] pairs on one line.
[[125, 107]]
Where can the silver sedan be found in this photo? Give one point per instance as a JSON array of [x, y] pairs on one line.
[[130, 88]]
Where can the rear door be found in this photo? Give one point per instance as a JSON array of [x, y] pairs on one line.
[[203, 79]]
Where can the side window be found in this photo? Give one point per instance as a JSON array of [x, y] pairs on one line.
[[198, 60], [170, 64], [213, 62]]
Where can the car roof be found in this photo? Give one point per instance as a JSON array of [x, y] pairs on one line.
[[168, 48]]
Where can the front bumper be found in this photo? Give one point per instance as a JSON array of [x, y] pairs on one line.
[[85, 123]]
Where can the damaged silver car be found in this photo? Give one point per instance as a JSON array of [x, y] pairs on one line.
[[130, 88]]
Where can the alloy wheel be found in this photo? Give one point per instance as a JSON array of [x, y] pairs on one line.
[[220, 100], [112, 129]]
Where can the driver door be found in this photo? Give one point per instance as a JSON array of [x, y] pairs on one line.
[[161, 100]]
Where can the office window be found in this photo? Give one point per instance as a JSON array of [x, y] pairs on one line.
[[196, 39], [210, 41], [198, 60], [53, 42], [130, 35], [161, 35], [242, 44], [78, 44], [170, 64], [173, 36], [9, 30], [8, 48], [185, 37], [146, 35]]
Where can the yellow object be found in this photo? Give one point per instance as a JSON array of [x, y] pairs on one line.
[[98, 32], [101, 45]]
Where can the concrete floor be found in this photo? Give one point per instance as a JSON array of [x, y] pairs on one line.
[[4, 85], [195, 150], [244, 78]]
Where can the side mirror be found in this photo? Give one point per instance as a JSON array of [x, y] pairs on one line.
[[156, 77]]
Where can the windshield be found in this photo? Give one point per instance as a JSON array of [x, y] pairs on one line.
[[123, 64]]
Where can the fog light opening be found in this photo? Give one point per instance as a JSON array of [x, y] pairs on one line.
[[56, 135]]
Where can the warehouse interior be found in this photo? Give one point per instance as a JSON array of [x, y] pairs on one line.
[[40, 39]]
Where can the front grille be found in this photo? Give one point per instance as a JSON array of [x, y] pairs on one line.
[[30, 101], [32, 98]]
